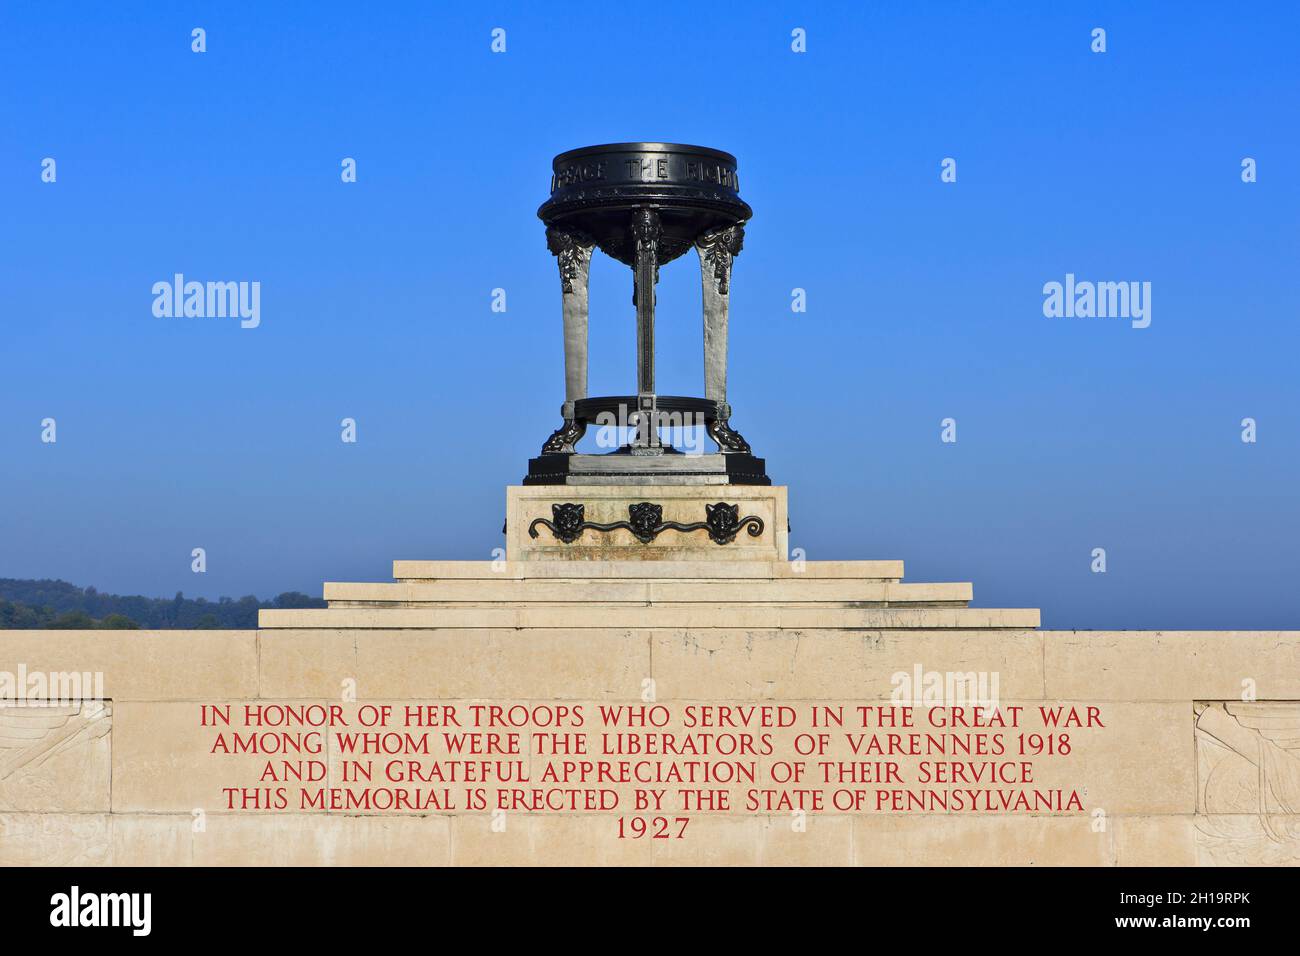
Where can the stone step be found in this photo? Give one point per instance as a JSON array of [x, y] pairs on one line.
[[611, 591], [463, 605], [691, 617], [647, 570]]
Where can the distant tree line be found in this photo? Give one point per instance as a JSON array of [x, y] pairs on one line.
[[60, 605]]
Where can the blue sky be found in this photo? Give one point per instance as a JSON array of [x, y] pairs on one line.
[[924, 298]]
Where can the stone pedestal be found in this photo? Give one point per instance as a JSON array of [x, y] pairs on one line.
[[646, 522]]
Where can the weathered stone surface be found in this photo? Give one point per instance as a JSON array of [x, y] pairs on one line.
[[681, 503], [1248, 773], [514, 592], [55, 757], [1154, 840], [50, 838], [682, 570], [701, 616], [587, 840], [817, 664], [163, 760], [1172, 665], [154, 839], [1000, 840], [142, 665], [760, 841], [306, 663], [323, 840], [502, 664]]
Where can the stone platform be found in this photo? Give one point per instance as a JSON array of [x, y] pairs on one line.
[[199, 747], [578, 594]]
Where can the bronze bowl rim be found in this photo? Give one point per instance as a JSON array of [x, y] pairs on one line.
[[571, 154]]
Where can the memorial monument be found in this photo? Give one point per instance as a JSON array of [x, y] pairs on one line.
[[645, 205], [649, 674]]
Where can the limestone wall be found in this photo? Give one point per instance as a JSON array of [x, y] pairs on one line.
[[133, 780]]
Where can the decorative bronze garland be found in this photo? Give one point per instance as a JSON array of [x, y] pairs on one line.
[[646, 521]]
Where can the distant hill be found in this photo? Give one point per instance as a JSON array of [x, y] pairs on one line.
[[57, 604]]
